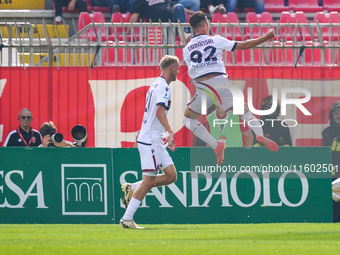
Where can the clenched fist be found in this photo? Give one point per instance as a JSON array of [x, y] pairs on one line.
[[270, 33]]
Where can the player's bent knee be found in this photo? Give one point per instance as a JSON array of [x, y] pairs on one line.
[[170, 173], [172, 177]]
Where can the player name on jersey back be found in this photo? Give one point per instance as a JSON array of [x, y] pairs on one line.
[[199, 44], [203, 54]]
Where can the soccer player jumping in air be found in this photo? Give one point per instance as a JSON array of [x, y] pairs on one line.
[[153, 154], [203, 55]]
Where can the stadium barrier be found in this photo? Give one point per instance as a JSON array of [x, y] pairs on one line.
[[82, 185], [109, 101], [150, 41]]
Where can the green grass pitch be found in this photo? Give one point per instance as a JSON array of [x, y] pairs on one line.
[[286, 238]]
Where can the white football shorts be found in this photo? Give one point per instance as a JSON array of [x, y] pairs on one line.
[[152, 158], [195, 104]]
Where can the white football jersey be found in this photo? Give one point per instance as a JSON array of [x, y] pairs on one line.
[[203, 54], [152, 130]]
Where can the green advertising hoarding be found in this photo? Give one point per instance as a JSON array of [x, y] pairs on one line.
[[56, 185], [235, 196], [82, 185]]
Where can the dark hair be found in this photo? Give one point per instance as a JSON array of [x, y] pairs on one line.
[[48, 128], [196, 19]]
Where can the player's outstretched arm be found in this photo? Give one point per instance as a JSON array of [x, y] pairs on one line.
[[254, 42]]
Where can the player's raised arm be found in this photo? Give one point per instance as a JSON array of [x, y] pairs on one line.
[[254, 42]]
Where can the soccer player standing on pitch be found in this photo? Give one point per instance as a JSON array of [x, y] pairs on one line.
[[203, 55], [153, 154]]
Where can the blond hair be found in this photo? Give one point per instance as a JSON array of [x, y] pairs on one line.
[[167, 61]]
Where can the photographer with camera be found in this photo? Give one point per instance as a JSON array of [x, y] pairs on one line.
[[51, 138]]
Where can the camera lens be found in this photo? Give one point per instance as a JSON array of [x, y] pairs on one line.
[[57, 138], [78, 132]]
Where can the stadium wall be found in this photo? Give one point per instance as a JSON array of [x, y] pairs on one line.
[[109, 101], [83, 185]]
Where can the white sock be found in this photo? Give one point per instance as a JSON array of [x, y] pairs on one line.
[[211, 9], [255, 124], [58, 19], [200, 131], [131, 209], [135, 185]]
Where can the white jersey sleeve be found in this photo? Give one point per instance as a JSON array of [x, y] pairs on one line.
[[163, 97], [203, 54], [225, 43]]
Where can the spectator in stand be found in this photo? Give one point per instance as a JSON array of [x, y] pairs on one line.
[[232, 4], [272, 127], [214, 6], [331, 137], [156, 10], [191, 6], [25, 135], [122, 6], [70, 5]]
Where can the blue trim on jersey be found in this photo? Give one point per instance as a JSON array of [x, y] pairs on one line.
[[234, 47], [197, 35], [164, 79], [163, 104], [147, 144]]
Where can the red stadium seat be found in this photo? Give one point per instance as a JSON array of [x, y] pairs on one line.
[[327, 18], [282, 57], [89, 18], [331, 5], [231, 33], [246, 54], [118, 17], [132, 56], [155, 35], [124, 55], [275, 6], [312, 57], [305, 5], [263, 18], [289, 32]]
